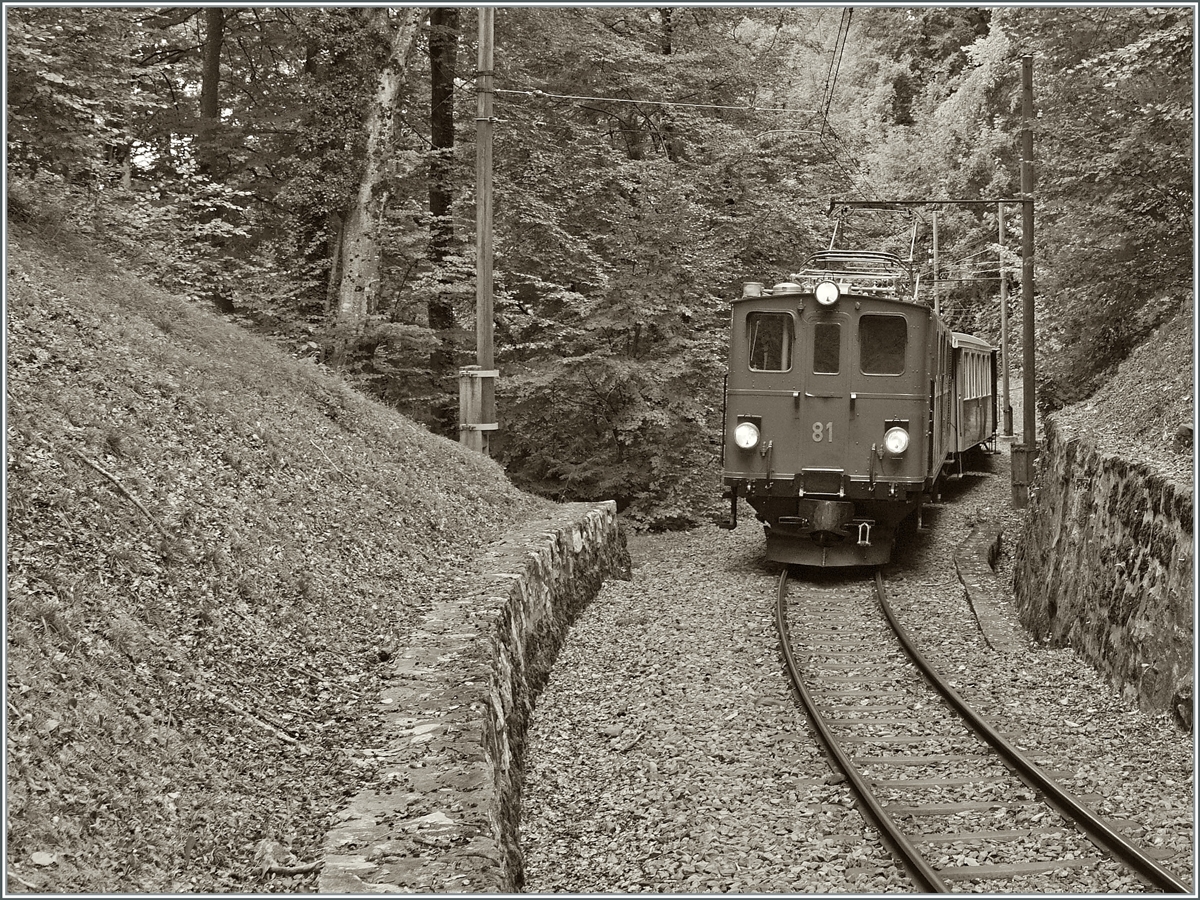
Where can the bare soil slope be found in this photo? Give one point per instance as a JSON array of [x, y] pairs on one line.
[[212, 549]]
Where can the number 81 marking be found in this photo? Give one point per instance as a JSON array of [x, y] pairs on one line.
[[822, 432]]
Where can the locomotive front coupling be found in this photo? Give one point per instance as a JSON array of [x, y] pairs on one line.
[[823, 520]]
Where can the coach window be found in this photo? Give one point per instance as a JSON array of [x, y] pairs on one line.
[[827, 348], [771, 338], [882, 344]]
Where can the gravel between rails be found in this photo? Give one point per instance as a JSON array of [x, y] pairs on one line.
[[666, 753]]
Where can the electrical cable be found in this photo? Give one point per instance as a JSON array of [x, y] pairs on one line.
[[839, 48], [672, 103], [833, 56], [833, 157]]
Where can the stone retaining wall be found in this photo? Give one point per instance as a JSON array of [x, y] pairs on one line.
[[1105, 566], [444, 814]]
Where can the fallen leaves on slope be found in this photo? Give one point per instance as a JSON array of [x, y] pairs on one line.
[[212, 548]]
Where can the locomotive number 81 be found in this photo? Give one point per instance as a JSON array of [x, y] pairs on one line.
[[845, 401]]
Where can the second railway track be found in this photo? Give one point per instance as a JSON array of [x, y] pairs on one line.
[[959, 805]]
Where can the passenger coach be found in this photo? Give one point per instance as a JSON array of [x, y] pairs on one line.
[[846, 397]]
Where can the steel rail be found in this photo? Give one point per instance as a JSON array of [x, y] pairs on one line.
[[919, 869], [1100, 834]]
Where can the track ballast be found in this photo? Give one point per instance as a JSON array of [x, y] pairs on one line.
[[956, 802]]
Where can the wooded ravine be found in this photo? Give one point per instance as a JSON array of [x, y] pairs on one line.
[[240, 279]]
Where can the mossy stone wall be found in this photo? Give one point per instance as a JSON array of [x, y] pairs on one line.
[[1105, 565]]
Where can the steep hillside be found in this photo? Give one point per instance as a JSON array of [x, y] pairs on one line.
[[1140, 411], [212, 549]]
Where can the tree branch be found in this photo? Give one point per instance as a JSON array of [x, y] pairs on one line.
[[124, 490], [304, 869], [328, 460], [262, 723]]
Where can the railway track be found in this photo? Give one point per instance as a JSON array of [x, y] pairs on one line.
[[954, 800]]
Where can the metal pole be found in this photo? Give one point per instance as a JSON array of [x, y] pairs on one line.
[[1006, 407], [484, 352], [469, 434], [1029, 434], [1024, 454]]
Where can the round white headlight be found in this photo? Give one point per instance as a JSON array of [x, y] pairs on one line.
[[745, 435], [895, 441], [827, 293]]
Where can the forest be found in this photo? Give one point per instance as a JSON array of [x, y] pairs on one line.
[[311, 171]]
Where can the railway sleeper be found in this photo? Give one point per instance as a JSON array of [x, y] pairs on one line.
[[1004, 871]]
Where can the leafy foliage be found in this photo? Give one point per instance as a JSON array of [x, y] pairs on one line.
[[624, 224], [647, 161], [68, 104], [1117, 137]]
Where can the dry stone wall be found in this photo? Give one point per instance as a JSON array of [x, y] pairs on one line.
[[1105, 565], [443, 816]]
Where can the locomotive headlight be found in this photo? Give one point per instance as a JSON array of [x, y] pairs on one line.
[[827, 293], [895, 441], [746, 435]]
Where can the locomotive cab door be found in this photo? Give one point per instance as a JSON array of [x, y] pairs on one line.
[[822, 402]]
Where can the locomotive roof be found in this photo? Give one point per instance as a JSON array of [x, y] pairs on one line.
[[869, 273]]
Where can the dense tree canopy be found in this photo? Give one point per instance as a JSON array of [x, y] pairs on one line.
[[647, 161]]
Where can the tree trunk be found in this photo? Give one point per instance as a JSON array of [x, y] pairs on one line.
[[357, 293], [443, 61], [313, 222], [334, 229], [210, 87], [666, 45]]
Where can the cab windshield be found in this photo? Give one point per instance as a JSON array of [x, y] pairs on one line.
[[882, 344], [770, 337]]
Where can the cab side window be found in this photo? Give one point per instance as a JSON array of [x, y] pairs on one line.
[[771, 336], [882, 344]]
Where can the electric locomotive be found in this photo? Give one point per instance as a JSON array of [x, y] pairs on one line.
[[847, 400]]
